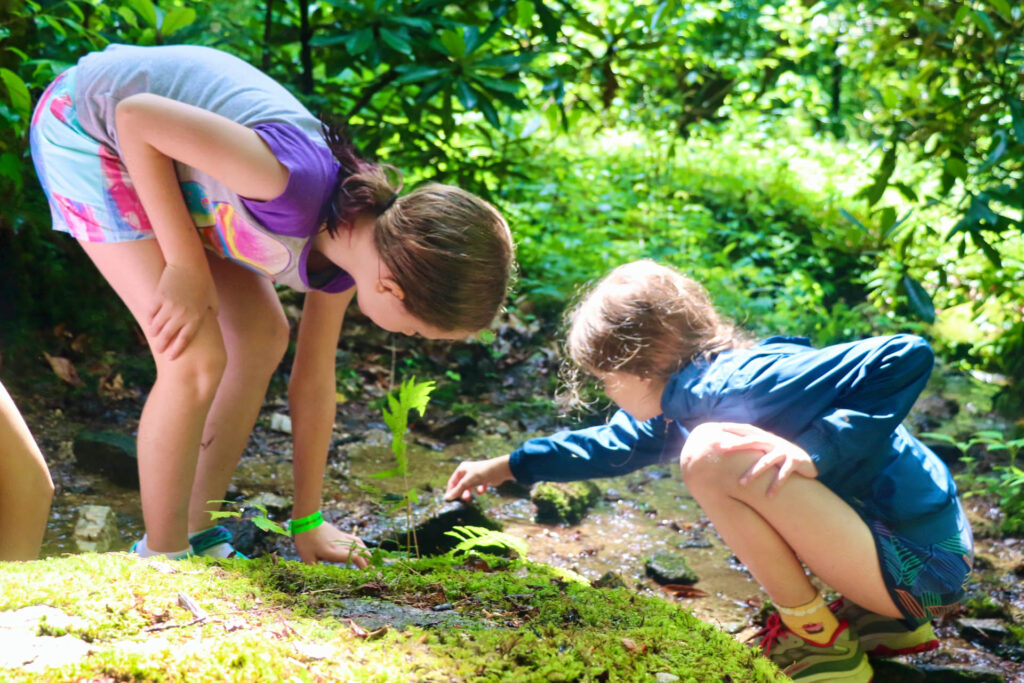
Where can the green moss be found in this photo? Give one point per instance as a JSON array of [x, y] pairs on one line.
[[563, 503], [268, 620]]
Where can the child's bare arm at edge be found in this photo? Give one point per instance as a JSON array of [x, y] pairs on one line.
[[152, 133], [476, 476], [26, 489], [312, 398]]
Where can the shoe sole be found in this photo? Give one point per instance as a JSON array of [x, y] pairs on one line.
[[883, 651]]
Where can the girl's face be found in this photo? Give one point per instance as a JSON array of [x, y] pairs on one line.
[[638, 396], [381, 302]]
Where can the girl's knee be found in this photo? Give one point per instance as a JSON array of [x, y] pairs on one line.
[[198, 371]]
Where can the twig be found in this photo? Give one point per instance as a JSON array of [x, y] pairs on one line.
[[164, 627], [188, 603]]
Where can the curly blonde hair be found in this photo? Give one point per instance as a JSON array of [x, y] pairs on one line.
[[649, 320]]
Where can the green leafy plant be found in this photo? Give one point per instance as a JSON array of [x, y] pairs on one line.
[[472, 538], [261, 520], [410, 395]]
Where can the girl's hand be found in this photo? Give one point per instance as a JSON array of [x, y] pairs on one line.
[[778, 452], [327, 543], [183, 297], [478, 475]]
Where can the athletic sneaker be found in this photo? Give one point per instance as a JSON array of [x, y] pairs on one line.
[[882, 636], [214, 542], [841, 660]]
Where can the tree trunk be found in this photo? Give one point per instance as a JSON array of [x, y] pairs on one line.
[[305, 54], [268, 22]]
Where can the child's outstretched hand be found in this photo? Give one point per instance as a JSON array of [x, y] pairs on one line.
[[778, 452], [327, 543], [183, 298], [477, 475]]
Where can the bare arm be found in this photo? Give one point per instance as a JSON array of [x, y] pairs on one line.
[[312, 399], [153, 132]]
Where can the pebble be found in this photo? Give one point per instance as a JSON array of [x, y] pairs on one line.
[[665, 677]]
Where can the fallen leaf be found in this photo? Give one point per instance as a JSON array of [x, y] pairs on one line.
[[357, 630], [681, 591], [632, 646], [63, 368], [112, 387], [79, 342]]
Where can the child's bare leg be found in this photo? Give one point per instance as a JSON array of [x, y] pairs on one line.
[[25, 486], [804, 520], [255, 333], [175, 411]]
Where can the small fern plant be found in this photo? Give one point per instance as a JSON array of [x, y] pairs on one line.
[[486, 540]]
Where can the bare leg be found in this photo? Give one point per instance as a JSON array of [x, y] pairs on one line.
[[175, 411], [255, 332], [25, 486], [805, 520]]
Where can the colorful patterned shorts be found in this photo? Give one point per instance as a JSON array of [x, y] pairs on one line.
[[91, 196], [925, 581]]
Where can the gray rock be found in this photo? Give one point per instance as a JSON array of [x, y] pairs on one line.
[[667, 568], [271, 501], [110, 454], [96, 529]]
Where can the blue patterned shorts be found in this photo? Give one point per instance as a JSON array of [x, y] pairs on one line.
[[925, 581]]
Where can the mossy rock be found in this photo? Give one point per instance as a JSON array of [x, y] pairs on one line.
[[563, 502], [670, 568], [420, 620]]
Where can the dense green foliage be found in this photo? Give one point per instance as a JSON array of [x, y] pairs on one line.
[[830, 169]]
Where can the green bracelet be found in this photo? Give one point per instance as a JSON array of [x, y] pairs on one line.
[[297, 526]]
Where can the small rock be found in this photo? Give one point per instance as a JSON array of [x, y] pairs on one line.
[[665, 677], [443, 607], [314, 651], [271, 501], [96, 529], [430, 534], [280, 422], [667, 568], [111, 454], [513, 489], [563, 503], [612, 496], [376, 437], [451, 428], [608, 580]]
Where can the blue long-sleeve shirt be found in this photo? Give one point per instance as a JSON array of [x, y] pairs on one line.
[[843, 404]]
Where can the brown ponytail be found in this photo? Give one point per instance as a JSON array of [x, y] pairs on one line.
[[450, 251]]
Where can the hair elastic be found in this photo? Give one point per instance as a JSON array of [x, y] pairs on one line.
[[389, 203]]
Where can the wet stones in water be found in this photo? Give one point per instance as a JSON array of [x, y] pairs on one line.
[[430, 534], [893, 671], [96, 529], [993, 635], [668, 568], [110, 454], [563, 503]]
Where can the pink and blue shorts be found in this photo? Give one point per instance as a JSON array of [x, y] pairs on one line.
[[91, 196]]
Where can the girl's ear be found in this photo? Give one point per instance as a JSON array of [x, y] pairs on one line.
[[387, 285]]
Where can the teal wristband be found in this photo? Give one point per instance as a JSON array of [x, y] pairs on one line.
[[297, 526]]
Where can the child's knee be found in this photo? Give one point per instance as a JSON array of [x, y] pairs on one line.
[[198, 371]]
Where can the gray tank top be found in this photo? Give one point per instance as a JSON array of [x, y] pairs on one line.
[[272, 238]]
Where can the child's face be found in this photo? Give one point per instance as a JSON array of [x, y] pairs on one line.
[[381, 302], [638, 396]]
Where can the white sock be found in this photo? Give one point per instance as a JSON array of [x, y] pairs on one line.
[[143, 550]]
